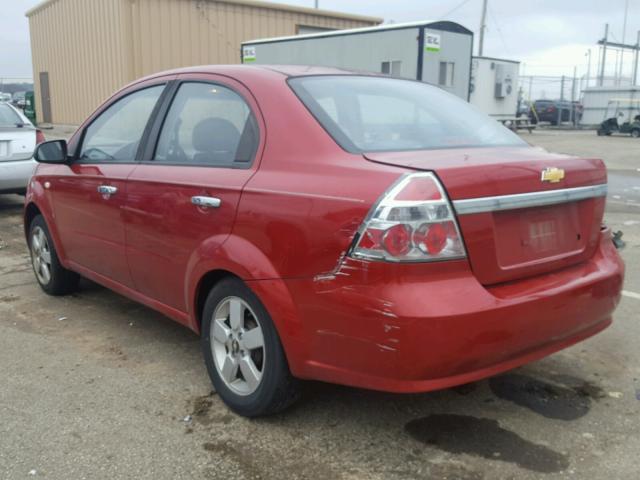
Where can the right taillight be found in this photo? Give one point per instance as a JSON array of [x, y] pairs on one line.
[[412, 222], [40, 137]]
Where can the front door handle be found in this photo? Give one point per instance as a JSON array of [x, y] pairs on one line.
[[206, 202], [107, 190]]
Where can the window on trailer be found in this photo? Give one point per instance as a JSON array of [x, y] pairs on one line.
[[393, 68], [446, 74]]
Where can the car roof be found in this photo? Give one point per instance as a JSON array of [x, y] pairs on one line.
[[241, 72]]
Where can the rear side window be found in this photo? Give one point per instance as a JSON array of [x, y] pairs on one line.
[[8, 118], [374, 114], [115, 135], [208, 124]]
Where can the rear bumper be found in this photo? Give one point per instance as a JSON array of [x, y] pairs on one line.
[[415, 328], [15, 175]]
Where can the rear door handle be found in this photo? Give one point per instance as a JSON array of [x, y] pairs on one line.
[[107, 190], [206, 202]]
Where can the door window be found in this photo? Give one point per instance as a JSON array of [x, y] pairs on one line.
[[115, 135], [208, 124]]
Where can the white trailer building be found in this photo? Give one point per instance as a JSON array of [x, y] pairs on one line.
[[494, 86], [436, 52], [602, 102]]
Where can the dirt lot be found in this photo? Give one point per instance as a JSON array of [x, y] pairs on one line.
[[96, 386]]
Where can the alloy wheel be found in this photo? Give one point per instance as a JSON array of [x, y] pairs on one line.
[[41, 255], [237, 344]]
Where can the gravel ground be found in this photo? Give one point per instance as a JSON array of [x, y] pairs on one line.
[[96, 386]]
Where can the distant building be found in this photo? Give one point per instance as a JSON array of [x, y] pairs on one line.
[[83, 50], [600, 103]]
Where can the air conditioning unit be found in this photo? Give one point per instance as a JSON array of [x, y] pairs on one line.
[[503, 85]]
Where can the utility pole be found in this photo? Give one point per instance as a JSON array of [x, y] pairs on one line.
[[588, 54], [483, 27], [624, 34], [316, 4], [561, 107], [573, 96], [635, 63], [604, 54]]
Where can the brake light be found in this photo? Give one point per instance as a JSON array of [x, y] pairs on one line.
[[412, 222], [40, 137]]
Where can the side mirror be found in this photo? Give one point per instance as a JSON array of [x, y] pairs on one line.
[[54, 151]]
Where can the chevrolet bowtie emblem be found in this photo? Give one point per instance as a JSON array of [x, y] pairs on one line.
[[552, 175]]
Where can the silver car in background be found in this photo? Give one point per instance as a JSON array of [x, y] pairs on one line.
[[18, 140]]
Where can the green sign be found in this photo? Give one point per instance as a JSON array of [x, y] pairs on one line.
[[248, 54], [431, 42]]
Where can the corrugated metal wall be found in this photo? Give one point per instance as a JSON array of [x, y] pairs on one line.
[[79, 43], [92, 47]]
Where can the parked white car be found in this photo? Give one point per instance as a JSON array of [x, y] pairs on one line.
[[18, 140]]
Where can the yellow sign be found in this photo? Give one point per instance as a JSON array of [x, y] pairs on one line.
[[552, 175]]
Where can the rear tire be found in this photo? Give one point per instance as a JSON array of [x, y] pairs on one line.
[[635, 133], [243, 353], [52, 277]]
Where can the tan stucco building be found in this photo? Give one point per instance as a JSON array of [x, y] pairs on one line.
[[83, 50]]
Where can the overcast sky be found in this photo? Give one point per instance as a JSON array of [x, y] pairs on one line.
[[549, 36]]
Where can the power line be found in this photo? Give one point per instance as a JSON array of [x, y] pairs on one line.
[[495, 21], [460, 5]]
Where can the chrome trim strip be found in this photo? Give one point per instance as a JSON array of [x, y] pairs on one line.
[[527, 200]]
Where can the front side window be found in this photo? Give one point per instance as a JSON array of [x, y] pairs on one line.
[[208, 124], [369, 114], [115, 135]]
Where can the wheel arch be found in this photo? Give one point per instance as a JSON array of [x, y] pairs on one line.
[[204, 286], [31, 211], [241, 259]]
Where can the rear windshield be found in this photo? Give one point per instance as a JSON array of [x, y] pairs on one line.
[[543, 103], [376, 114], [8, 118]]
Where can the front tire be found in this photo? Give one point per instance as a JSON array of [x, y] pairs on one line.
[[243, 353], [52, 277], [635, 133]]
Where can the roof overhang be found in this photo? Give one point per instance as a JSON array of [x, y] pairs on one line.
[[434, 25], [261, 4]]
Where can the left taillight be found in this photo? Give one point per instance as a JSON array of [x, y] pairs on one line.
[[412, 222], [40, 137]]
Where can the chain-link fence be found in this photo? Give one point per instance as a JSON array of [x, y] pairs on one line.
[[560, 99]]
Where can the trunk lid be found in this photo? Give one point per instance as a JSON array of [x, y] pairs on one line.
[[17, 143], [508, 243]]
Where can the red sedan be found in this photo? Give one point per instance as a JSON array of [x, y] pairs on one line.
[[314, 224]]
